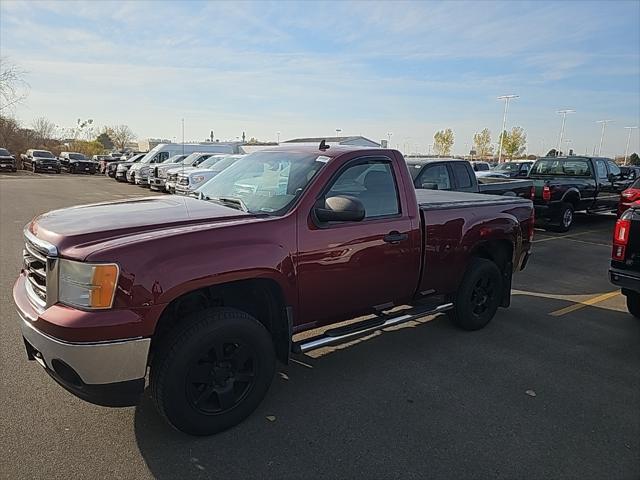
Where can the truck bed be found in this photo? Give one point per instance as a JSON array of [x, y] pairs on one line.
[[440, 199]]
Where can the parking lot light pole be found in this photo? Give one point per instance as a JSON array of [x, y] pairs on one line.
[[506, 99], [564, 119], [278, 134], [338, 130], [626, 150], [604, 126], [389, 134]]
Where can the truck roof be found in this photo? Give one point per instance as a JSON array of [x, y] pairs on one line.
[[423, 160], [331, 152]]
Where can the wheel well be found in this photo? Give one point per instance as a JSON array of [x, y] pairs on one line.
[[573, 199], [499, 252], [260, 298]]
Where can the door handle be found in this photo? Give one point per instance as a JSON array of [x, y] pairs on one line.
[[395, 237]]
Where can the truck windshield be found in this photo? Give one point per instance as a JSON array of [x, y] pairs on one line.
[[77, 156], [263, 182], [4, 153], [566, 167], [42, 154]]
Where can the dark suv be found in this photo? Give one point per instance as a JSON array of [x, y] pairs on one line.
[[74, 162], [7, 161], [42, 160], [625, 257]]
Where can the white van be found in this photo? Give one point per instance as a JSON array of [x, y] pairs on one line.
[[139, 172]]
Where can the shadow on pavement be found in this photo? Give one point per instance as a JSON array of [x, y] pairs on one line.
[[433, 401]]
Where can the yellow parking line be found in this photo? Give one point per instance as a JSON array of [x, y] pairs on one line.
[[586, 303]]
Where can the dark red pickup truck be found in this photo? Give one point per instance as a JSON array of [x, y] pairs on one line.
[[208, 292]]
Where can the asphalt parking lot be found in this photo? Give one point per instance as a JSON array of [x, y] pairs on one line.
[[550, 389]]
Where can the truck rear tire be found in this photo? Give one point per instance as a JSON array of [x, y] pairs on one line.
[[212, 370], [565, 218], [479, 295], [633, 303]]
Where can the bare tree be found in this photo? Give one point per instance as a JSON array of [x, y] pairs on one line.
[[13, 87], [120, 135], [44, 129]]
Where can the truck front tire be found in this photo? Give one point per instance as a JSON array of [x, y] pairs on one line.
[[211, 371], [633, 303], [479, 295]]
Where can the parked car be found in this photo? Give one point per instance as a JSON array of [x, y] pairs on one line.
[[74, 162], [325, 236], [163, 151], [102, 161], [513, 169], [123, 167], [193, 178], [479, 166], [630, 172], [7, 161], [165, 175], [625, 258], [628, 197], [458, 175], [157, 183], [565, 185], [40, 160]]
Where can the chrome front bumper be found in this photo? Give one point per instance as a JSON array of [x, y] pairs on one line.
[[94, 363]]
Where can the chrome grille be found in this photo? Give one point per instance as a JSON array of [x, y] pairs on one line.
[[183, 181], [172, 177], [39, 263]]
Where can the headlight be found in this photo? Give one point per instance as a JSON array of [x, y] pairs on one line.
[[197, 178], [87, 285]]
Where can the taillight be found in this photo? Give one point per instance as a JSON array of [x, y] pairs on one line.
[[631, 194], [532, 194], [621, 238], [532, 223], [546, 193]]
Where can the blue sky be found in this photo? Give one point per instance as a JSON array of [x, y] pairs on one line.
[[305, 68]]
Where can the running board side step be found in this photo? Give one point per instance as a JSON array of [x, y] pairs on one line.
[[355, 330]]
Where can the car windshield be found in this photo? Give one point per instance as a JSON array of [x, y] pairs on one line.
[[567, 167], [223, 163], [414, 169], [77, 156], [507, 167], [480, 167], [263, 182], [211, 161], [42, 154], [4, 152], [175, 159]]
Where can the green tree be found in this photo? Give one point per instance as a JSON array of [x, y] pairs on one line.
[[514, 142], [105, 141], [634, 159], [443, 142], [482, 143]]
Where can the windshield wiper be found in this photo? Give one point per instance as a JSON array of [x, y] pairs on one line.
[[232, 202]]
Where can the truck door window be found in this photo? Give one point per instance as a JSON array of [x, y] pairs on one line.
[[461, 174], [437, 175], [373, 184], [602, 169], [614, 169]]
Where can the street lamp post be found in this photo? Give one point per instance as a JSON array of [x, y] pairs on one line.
[[564, 119], [604, 126], [506, 99], [338, 130], [430, 145], [389, 134], [278, 134], [626, 150]]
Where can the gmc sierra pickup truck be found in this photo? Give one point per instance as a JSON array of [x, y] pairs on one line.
[[283, 241], [564, 185]]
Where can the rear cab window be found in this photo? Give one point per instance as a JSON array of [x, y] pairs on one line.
[[561, 167], [461, 175]]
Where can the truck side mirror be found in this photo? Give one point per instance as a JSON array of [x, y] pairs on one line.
[[341, 208], [429, 186]]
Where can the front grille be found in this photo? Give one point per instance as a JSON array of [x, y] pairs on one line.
[[183, 181], [35, 266], [172, 177]]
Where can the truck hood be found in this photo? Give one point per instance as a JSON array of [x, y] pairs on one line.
[[77, 229], [196, 171]]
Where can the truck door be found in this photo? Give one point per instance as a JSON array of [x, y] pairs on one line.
[[608, 194], [346, 268]]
